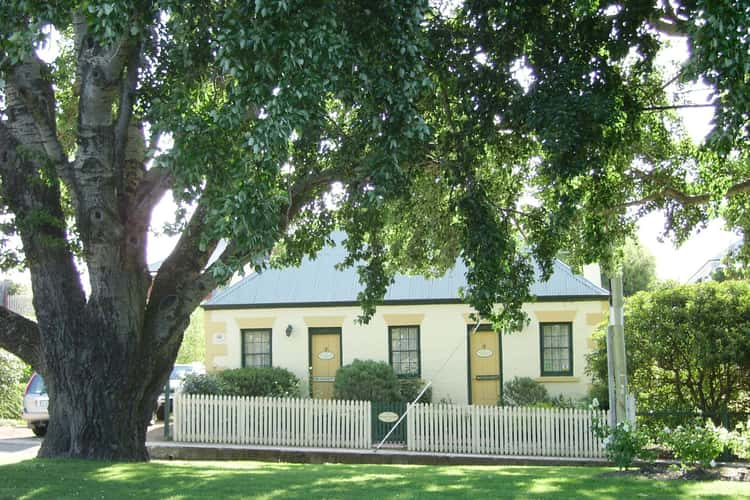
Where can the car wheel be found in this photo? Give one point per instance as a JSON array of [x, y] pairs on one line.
[[160, 413], [39, 430]]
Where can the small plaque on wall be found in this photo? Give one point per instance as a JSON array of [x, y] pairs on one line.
[[219, 338]]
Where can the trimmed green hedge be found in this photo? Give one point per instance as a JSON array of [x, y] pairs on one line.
[[367, 381], [524, 391], [249, 382]]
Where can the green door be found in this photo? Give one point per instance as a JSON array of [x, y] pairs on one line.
[[384, 417]]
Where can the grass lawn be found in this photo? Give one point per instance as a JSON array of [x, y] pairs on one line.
[[78, 479]]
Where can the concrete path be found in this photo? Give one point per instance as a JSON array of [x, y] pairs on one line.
[[17, 443]]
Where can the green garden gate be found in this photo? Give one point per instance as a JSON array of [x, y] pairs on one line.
[[384, 417]]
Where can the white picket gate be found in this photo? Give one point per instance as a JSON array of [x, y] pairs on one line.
[[272, 421], [504, 430]]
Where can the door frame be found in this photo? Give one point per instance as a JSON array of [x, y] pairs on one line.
[[483, 327], [321, 330]]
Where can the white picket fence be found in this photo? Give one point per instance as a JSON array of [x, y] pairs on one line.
[[21, 304], [438, 428], [272, 421], [504, 430]]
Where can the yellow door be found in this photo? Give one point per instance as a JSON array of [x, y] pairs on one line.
[[484, 369], [325, 359]]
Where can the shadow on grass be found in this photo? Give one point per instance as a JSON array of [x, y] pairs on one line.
[[181, 480]]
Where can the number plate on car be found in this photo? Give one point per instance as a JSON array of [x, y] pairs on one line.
[[42, 403]]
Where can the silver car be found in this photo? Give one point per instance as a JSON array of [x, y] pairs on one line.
[[178, 374], [35, 403]]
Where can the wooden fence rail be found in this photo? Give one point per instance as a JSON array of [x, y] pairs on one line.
[[272, 421], [504, 430]]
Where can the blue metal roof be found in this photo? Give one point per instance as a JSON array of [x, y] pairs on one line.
[[318, 282]]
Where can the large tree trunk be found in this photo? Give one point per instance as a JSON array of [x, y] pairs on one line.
[[102, 375], [97, 412]]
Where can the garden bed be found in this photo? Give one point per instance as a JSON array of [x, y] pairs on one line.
[[671, 472]]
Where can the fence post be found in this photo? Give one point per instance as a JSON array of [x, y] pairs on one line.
[[166, 411], [630, 410]]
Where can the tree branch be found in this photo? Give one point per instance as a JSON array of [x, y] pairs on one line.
[[666, 26], [177, 283], [302, 191], [31, 111], [669, 21], [677, 106], [125, 112], [100, 73], [154, 184], [20, 336], [41, 224], [668, 192]]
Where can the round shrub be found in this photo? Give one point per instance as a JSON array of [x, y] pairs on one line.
[[207, 383], [523, 391], [739, 441], [696, 443], [622, 444], [367, 381], [410, 389], [267, 382]]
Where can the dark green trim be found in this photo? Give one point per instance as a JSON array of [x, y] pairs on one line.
[[419, 349], [565, 373], [409, 302], [484, 327], [321, 331], [270, 344]]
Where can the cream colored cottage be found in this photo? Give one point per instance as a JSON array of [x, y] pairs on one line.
[[304, 319]]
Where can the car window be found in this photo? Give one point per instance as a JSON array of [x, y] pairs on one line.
[[179, 372], [37, 385]]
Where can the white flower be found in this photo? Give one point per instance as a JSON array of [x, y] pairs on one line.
[[595, 403], [713, 463], [667, 430]]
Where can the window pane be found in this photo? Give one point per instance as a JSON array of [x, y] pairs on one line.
[[556, 348], [257, 344], [405, 350], [413, 339]]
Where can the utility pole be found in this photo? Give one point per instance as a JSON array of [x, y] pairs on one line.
[[618, 375]]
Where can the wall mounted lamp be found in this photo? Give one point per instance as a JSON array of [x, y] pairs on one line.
[[289, 330]]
